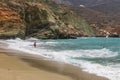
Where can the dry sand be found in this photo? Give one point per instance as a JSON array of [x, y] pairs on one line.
[[14, 69], [19, 66]]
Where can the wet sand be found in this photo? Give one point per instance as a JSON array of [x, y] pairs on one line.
[[12, 68], [15, 65]]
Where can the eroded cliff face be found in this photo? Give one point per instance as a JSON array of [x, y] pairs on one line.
[[11, 25], [44, 20]]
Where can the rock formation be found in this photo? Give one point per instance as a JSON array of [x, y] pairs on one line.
[[11, 25], [41, 19]]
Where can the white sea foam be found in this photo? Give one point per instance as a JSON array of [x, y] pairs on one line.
[[110, 71], [95, 53]]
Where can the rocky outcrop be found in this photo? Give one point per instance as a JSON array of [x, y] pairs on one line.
[[11, 25], [43, 19], [109, 32]]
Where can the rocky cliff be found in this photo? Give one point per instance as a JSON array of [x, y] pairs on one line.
[[11, 25], [41, 19], [102, 15]]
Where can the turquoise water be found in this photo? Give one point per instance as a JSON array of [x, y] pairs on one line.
[[100, 56], [112, 44], [87, 43]]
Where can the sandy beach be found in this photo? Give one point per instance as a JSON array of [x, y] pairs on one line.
[[15, 65], [14, 69]]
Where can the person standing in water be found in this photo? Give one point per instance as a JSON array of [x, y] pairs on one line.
[[34, 44]]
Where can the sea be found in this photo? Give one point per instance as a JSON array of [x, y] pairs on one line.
[[100, 56]]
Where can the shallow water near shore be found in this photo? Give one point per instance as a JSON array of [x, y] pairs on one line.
[[100, 56]]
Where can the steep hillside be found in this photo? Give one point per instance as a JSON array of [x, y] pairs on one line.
[[102, 23], [102, 15], [11, 25], [47, 20], [111, 8], [75, 2], [108, 8], [82, 2], [44, 19], [89, 3]]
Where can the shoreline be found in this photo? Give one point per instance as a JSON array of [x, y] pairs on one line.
[[13, 68], [60, 68]]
